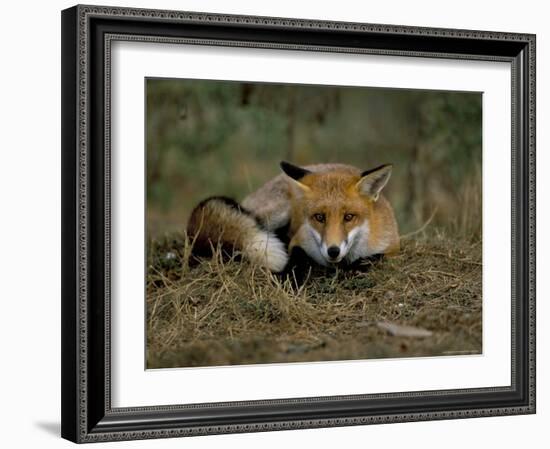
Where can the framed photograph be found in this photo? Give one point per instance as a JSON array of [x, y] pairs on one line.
[[277, 224]]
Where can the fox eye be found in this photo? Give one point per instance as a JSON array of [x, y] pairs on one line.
[[349, 217], [319, 217]]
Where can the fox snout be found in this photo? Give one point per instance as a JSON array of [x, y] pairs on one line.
[[333, 252], [334, 240]]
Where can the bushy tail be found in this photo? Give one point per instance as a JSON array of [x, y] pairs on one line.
[[221, 221]]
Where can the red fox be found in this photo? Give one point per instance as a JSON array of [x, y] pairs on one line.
[[334, 213]]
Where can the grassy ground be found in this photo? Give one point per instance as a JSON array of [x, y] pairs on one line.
[[227, 313]]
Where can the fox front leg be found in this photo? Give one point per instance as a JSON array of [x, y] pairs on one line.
[[299, 266]]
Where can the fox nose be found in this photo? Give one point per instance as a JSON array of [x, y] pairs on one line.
[[333, 252]]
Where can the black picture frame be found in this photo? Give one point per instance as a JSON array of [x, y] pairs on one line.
[[87, 414]]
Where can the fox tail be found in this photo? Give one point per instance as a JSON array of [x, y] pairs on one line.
[[221, 222]]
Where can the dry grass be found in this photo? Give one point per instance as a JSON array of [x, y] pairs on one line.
[[227, 313]]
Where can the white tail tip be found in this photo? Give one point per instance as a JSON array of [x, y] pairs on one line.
[[267, 250]]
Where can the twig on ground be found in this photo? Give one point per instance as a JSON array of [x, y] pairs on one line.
[[424, 226]]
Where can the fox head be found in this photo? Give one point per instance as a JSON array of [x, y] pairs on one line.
[[332, 210]]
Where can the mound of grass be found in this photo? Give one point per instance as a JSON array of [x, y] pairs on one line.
[[230, 312]]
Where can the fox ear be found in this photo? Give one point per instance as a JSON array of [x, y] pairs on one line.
[[373, 181], [295, 173]]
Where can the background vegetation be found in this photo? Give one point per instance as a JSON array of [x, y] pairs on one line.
[[209, 138]]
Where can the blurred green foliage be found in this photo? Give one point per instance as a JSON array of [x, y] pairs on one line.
[[226, 138]]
